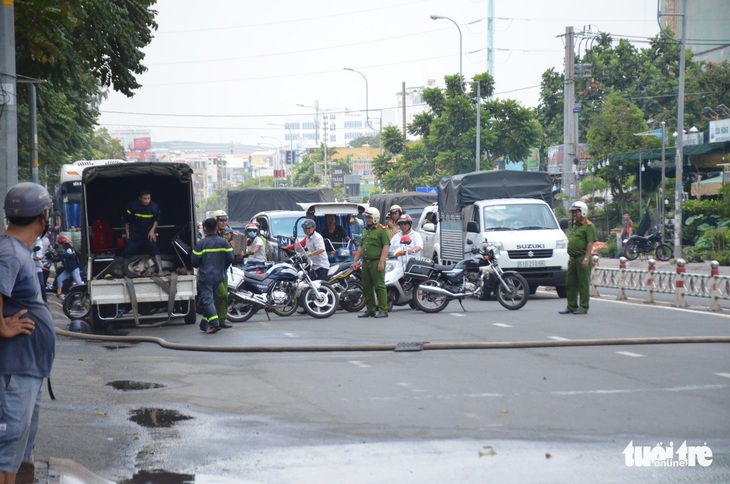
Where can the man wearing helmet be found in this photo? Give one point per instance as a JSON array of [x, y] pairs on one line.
[[27, 338], [314, 244], [580, 249], [254, 252], [140, 223], [395, 213], [373, 249], [405, 223]]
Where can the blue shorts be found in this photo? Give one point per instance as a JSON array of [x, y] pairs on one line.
[[20, 399]]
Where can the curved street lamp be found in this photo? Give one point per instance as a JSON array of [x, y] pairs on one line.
[[439, 17]]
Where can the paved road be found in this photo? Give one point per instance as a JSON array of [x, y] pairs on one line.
[[507, 415]]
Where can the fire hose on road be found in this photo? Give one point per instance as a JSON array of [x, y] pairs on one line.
[[403, 346]]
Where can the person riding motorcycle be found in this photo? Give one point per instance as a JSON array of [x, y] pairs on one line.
[[405, 224], [255, 250]]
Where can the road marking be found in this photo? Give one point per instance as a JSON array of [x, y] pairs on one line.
[[628, 353], [726, 375], [458, 315], [502, 325], [358, 364], [642, 304], [690, 388], [290, 335], [558, 338]]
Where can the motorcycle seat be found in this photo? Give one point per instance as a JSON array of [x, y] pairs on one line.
[[254, 275], [443, 267], [335, 268]]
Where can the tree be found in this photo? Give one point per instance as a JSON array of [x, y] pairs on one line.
[[613, 131], [448, 133], [365, 140], [79, 48]]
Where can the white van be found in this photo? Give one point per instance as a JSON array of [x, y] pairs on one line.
[[531, 240]]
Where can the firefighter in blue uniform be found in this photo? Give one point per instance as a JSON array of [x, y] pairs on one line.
[[140, 223], [212, 256]]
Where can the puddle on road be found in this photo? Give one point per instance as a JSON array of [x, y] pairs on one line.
[[129, 385], [159, 477], [157, 417]]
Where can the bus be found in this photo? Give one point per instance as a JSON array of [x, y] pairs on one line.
[[68, 192]]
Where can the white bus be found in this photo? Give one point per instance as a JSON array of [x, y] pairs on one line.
[[68, 192]]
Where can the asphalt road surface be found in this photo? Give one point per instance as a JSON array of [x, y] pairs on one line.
[[357, 411]]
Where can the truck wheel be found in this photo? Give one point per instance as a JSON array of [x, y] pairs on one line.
[[562, 291], [191, 316]]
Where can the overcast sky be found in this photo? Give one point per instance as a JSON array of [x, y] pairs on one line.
[[220, 70]]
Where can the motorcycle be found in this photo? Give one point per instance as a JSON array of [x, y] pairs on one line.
[[281, 289], [346, 281], [470, 277], [637, 245], [397, 282]]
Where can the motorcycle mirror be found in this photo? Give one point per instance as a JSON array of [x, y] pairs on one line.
[[36, 249]]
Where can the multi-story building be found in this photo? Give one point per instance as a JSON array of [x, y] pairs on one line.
[[708, 25]]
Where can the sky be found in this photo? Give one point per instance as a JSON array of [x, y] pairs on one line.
[[221, 71]]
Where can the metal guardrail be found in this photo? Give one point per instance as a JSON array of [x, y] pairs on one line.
[[651, 281]]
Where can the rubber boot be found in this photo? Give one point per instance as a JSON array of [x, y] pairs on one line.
[[158, 266]]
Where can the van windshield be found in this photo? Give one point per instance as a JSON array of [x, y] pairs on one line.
[[519, 217], [284, 226]]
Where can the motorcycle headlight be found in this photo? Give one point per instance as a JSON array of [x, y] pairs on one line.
[[389, 266], [561, 244]]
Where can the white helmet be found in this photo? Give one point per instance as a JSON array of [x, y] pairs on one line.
[[372, 212], [220, 214], [580, 206]]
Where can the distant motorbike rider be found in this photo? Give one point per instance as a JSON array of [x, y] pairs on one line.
[[255, 250], [395, 213], [70, 265], [222, 228], [140, 223]]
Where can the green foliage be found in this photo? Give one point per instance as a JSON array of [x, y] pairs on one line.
[[79, 48], [448, 136], [695, 213], [365, 140]]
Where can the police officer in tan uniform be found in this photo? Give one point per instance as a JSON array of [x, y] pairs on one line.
[[373, 249]]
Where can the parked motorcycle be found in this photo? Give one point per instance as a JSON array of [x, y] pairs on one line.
[[637, 246], [438, 285], [280, 289], [398, 284], [346, 281]]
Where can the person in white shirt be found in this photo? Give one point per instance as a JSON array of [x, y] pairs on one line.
[[315, 247], [39, 252], [254, 252], [405, 224]]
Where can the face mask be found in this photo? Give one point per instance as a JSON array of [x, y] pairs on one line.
[[251, 235]]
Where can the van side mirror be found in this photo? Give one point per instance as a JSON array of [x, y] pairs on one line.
[[429, 227], [472, 227], [563, 222]]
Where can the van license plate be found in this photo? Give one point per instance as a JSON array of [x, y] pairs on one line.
[[531, 263]]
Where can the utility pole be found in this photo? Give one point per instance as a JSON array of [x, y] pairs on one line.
[[569, 138], [490, 39], [679, 158], [8, 104], [403, 93]]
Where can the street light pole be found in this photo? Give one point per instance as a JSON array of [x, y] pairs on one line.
[[324, 131], [367, 108], [439, 17], [664, 142]]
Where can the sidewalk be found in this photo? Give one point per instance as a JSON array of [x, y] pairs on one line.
[[668, 266]]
